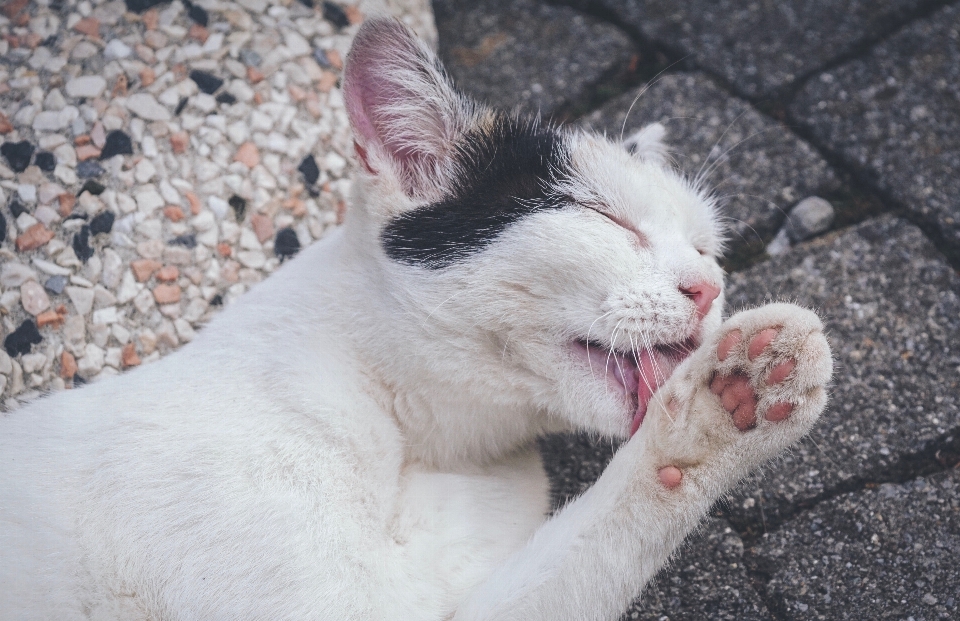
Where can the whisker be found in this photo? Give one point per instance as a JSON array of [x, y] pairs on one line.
[[696, 179], [643, 90], [589, 361]]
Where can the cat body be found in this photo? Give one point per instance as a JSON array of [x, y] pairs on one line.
[[354, 438]]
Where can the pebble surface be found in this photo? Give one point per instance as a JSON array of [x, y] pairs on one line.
[[156, 161]]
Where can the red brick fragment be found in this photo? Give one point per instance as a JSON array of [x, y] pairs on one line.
[[68, 365], [173, 213], [168, 273], [166, 294], [34, 237], [89, 26], [128, 355], [143, 269], [180, 141]]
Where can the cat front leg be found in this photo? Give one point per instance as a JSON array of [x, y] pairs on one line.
[[747, 394]]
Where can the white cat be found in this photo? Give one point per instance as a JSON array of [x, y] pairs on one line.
[[354, 438]]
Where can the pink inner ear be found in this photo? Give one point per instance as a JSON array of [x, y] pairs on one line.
[[392, 99]]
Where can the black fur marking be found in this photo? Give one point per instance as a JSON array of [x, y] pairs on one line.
[[505, 173]]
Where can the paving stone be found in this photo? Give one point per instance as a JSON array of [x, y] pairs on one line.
[[893, 115], [884, 553], [708, 578], [891, 306], [760, 48], [761, 168], [513, 53]]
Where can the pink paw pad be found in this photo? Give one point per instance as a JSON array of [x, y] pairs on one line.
[[736, 395], [670, 476]]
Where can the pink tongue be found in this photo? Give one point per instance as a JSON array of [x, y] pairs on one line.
[[650, 379]]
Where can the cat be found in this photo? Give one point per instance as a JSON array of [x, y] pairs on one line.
[[355, 437]]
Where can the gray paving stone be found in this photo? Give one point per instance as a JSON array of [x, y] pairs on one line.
[[522, 53], [893, 114], [762, 169], [891, 306], [760, 48], [884, 553], [708, 578]]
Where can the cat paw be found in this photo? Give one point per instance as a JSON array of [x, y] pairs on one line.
[[747, 394], [769, 362]]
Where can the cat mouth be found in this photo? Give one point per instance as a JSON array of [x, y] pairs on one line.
[[637, 374]]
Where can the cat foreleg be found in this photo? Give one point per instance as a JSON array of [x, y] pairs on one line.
[[752, 390]]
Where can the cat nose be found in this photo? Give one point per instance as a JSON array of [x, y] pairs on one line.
[[703, 294]]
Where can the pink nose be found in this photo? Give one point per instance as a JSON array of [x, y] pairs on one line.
[[703, 294]]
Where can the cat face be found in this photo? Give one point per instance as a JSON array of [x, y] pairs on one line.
[[545, 271]]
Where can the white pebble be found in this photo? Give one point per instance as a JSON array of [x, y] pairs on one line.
[[116, 49], [27, 192], [112, 268], [105, 316], [48, 267], [91, 362], [33, 362], [82, 299], [144, 171], [15, 274], [143, 301], [86, 86], [33, 298], [147, 107], [253, 259], [148, 199]]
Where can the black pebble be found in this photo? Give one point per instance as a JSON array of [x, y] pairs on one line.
[[239, 205], [102, 222], [94, 187], [335, 15], [55, 284], [76, 215], [17, 208], [81, 243], [139, 6], [118, 143], [18, 154], [320, 56], [286, 244], [3, 228], [207, 82], [22, 339], [78, 381], [309, 169], [226, 98], [189, 240], [199, 15], [180, 106], [307, 3], [89, 168], [216, 300], [46, 161]]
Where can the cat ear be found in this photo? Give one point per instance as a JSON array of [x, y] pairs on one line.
[[647, 143], [405, 114]]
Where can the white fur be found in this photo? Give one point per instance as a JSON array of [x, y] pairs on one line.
[[353, 439]]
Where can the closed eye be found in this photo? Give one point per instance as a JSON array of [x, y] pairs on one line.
[[621, 223]]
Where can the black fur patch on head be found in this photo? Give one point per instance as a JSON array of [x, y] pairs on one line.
[[505, 172]]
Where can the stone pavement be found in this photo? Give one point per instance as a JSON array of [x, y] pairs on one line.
[[856, 102]]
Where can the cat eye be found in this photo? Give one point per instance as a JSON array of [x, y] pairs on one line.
[[619, 222]]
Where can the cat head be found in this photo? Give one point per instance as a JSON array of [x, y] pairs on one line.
[[533, 276]]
